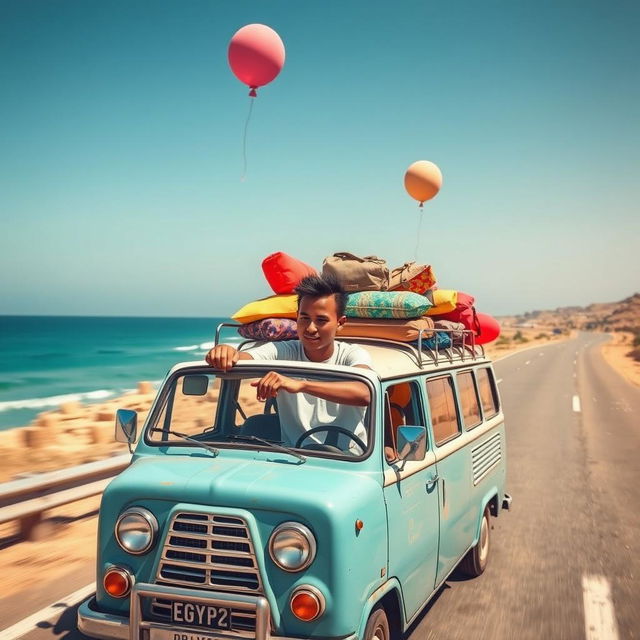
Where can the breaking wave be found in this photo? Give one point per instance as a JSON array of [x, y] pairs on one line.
[[55, 401]]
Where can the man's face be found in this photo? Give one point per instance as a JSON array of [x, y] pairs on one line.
[[318, 323]]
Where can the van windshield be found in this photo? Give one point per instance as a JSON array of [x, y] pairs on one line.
[[223, 410]]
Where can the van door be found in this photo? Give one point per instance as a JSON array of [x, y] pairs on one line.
[[411, 497], [457, 517]]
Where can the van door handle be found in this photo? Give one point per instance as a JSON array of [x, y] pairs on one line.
[[432, 481]]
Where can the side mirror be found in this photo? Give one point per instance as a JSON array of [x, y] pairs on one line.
[[195, 385], [412, 443], [126, 426]]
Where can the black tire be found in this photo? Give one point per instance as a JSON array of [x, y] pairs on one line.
[[477, 558], [377, 626]]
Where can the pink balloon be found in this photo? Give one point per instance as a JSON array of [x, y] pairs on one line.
[[256, 55], [489, 328]]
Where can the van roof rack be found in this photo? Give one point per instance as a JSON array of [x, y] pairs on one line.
[[467, 349], [463, 350]]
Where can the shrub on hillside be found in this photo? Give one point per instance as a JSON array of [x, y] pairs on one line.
[[635, 354], [542, 336]]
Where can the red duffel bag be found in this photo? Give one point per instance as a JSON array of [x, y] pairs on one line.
[[464, 312], [283, 272]]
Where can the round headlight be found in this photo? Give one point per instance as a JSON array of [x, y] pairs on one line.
[[136, 530], [292, 546]]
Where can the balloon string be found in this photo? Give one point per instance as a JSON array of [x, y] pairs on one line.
[[415, 257], [244, 142]]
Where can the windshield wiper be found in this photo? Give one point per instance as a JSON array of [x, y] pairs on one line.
[[269, 443], [200, 443]]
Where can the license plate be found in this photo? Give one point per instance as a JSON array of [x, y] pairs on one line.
[[167, 634], [206, 617]]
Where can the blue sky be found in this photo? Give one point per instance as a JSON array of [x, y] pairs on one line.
[[121, 150]]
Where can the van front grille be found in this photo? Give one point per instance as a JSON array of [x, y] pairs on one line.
[[485, 456], [209, 551]]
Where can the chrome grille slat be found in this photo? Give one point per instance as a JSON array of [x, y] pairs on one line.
[[208, 536], [485, 457], [209, 551], [217, 536], [209, 564], [206, 551]]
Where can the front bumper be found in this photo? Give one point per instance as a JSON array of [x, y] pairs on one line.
[[108, 626]]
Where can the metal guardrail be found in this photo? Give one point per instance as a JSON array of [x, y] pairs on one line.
[[27, 499]]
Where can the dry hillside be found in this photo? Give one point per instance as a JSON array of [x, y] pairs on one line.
[[599, 316]]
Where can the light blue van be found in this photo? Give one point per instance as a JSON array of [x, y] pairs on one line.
[[219, 529]]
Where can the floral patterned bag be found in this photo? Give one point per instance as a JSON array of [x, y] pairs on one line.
[[271, 329], [417, 278]]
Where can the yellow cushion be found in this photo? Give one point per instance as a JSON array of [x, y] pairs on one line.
[[284, 306], [444, 300]]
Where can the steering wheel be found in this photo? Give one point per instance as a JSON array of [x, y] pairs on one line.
[[331, 427]]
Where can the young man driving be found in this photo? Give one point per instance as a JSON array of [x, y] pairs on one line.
[[305, 404]]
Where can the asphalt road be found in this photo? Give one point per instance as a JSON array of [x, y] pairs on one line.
[[573, 439]]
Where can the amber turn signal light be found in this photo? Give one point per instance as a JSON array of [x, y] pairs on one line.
[[307, 604], [117, 582]]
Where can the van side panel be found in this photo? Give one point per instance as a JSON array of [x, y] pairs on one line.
[[413, 529], [457, 513]]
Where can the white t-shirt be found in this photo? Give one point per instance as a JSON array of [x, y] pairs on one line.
[[300, 412]]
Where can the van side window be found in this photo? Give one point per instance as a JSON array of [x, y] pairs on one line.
[[444, 415], [469, 400], [401, 406], [488, 393]]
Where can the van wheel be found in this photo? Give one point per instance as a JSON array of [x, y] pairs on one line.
[[377, 626], [475, 562]]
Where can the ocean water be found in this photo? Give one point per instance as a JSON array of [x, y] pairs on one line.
[[48, 360]]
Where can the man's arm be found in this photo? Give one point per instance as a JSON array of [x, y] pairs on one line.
[[351, 393]]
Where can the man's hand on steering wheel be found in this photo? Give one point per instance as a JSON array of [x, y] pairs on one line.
[[269, 385], [332, 427]]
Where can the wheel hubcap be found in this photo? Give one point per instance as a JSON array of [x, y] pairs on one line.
[[379, 634], [484, 541]]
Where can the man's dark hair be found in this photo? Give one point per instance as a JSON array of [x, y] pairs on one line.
[[321, 286]]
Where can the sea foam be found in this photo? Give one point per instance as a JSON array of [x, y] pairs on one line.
[[191, 347], [55, 401]]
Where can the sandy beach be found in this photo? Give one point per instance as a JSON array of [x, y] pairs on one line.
[[82, 433]]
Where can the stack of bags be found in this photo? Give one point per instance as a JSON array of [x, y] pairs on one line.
[[394, 304]]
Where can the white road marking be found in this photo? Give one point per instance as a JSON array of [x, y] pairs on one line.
[[575, 361], [599, 615], [23, 627], [527, 362], [541, 354], [576, 404], [499, 380]]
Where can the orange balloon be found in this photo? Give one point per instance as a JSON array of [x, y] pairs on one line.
[[423, 180]]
